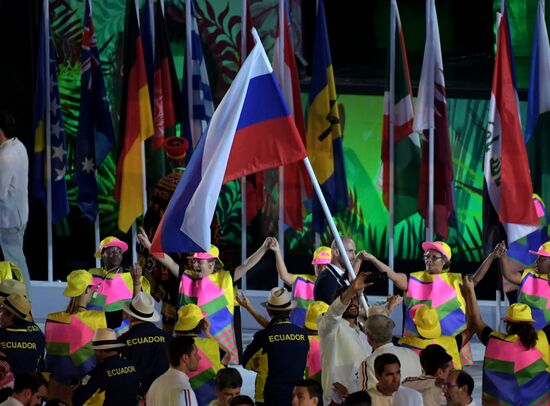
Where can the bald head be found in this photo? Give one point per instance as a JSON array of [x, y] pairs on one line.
[[349, 246], [380, 328]]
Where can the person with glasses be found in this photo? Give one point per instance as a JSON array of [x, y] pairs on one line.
[[459, 388], [69, 336], [438, 287], [534, 284], [31, 389]]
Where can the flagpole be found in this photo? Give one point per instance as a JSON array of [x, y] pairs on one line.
[[48, 139], [391, 108], [243, 179], [431, 141], [332, 226], [317, 235], [281, 221]]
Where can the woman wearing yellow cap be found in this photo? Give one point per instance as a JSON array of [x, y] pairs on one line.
[[69, 335], [516, 368], [302, 284], [192, 322]]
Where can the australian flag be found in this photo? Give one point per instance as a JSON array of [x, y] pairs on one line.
[[95, 127]]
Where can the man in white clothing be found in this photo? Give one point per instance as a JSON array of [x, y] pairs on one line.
[[14, 204], [379, 330], [343, 344], [173, 388], [30, 389]]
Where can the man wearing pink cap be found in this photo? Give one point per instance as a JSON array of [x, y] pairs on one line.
[[534, 289], [302, 284]]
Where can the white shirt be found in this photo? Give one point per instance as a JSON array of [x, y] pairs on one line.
[[14, 178], [409, 360], [402, 397], [11, 402], [342, 349], [172, 388]]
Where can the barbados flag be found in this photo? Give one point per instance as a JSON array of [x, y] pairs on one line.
[[324, 134], [250, 131]]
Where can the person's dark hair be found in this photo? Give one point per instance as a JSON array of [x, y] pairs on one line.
[[32, 381], [198, 330], [241, 400], [384, 359], [228, 378], [313, 387], [360, 398], [525, 331], [434, 357], [464, 379], [7, 124], [179, 346], [278, 314]]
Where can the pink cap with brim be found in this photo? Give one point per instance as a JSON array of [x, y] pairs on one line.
[[202, 255], [322, 256], [438, 246], [544, 250], [110, 242]]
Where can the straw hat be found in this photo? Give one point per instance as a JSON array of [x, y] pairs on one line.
[[214, 253], [314, 310], [439, 246], [110, 242], [77, 282], [142, 307], [544, 250], [105, 339], [9, 286], [279, 300], [322, 256], [519, 313], [426, 321], [189, 317], [19, 306]]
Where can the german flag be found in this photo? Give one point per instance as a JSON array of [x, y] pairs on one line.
[[136, 124]]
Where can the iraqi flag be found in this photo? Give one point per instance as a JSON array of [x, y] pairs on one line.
[[507, 174], [250, 131]]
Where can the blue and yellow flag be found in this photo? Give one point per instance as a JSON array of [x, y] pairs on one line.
[[46, 88], [324, 133]]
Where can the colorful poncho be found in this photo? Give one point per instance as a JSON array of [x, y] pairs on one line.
[[113, 289], [513, 375], [203, 380], [68, 353], [215, 296], [417, 344], [440, 291], [302, 292], [313, 363], [534, 291]]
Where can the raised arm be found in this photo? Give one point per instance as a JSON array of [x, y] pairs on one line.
[[286, 276], [498, 252], [166, 259], [244, 302], [251, 260], [399, 279], [507, 271], [475, 322]]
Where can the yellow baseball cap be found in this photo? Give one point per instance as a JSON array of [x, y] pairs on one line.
[[438, 246], [322, 256], [77, 282], [519, 313], [189, 317], [426, 321], [314, 310]]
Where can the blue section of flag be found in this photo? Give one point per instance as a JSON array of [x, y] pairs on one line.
[[198, 104], [60, 204], [95, 127]]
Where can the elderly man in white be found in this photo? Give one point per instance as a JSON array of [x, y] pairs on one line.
[[343, 344], [14, 204]]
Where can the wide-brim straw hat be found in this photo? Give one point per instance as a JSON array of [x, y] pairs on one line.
[[142, 307], [279, 300], [9, 286], [105, 339], [19, 306]]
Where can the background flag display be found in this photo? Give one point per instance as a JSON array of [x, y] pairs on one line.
[[251, 130], [537, 127], [407, 144], [296, 181], [197, 97], [136, 125], [324, 134], [46, 87], [431, 97], [506, 168], [95, 127]]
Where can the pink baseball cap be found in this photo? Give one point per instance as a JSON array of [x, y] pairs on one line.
[[438, 246], [322, 256], [110, 242], [544, 250], [214, 253]]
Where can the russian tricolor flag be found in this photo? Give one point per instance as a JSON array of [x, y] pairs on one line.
[[250, 131]]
